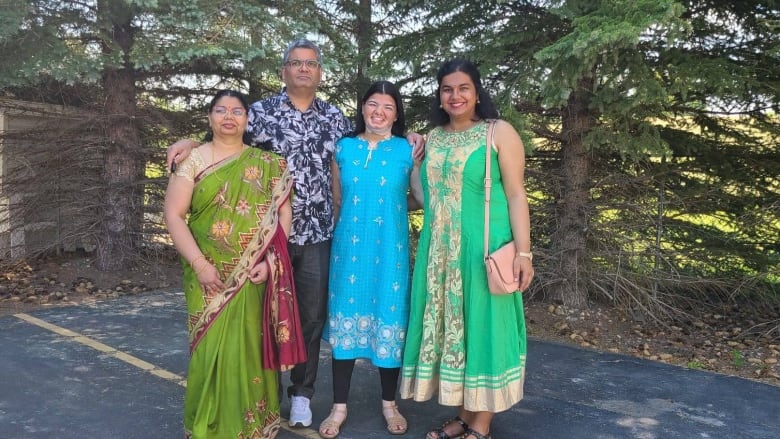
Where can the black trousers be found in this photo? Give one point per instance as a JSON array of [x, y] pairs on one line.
[[310, 263], [342, 378]]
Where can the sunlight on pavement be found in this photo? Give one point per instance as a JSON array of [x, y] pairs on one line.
[[306, 433]]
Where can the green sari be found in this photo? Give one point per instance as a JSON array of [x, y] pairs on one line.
[[234, 219]]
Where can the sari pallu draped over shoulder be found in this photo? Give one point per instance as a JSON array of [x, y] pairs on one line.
[[261, 242], [232, 388]]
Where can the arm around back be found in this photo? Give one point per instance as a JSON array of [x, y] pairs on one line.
[[179, 151]]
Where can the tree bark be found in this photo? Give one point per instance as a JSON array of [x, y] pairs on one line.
[[572, 208], [122, 202], [365, 40]]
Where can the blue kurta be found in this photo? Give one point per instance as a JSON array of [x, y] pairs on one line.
[[368, 308]]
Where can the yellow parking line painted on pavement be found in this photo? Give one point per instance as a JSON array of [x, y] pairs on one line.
[[306, 433], [106, 349]]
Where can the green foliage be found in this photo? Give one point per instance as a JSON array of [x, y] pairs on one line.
[[137, 55], [696, 365], [681, 103], [197, 41], [676, 101], [603, 43], [737, 359]]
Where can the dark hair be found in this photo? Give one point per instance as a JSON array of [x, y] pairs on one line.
[[219, 95], [485, 108], [385, 88]]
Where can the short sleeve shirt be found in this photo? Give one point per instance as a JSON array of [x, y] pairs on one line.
[[307, 140]]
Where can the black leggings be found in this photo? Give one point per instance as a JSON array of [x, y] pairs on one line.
[[342, 378]]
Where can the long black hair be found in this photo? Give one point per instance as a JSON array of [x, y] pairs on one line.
[[219, 95], [385, 88], [485, 108]]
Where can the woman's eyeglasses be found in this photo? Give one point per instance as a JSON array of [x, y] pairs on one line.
[[298, 63], [222, 111]]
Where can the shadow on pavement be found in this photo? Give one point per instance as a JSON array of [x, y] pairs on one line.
[[116, 369]]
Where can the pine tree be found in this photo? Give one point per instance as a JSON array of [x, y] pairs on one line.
[[614, 96], [127, 57]]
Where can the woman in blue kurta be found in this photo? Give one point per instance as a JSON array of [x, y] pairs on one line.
[[368, 303]]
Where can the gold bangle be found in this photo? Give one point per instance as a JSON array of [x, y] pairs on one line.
[[528, 255], [203, 267], [192, 264]]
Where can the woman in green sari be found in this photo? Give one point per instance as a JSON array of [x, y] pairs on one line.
[[227, 209]]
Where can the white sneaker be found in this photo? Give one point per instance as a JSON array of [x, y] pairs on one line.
[[300, 413]]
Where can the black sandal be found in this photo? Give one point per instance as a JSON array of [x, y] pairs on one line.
[[475, 433], [441, 434]]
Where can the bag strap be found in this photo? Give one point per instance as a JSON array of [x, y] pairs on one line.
[[488, 181]]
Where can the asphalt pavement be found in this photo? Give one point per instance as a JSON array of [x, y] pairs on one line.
[[117, 369]]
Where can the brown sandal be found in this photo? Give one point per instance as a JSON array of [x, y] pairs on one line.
[[331, 424], [441, 434], [396, 423]]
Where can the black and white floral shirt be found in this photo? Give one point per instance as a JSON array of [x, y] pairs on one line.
[[307, 140]]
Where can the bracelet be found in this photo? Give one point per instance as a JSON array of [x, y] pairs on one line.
[[528, 255], [192, 264], [203, 267]]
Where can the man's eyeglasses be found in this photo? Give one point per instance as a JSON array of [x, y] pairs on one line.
[[298, 63], [222, 111]]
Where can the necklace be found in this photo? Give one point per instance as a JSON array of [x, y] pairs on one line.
[[214, 161], [232, 153], [372, 145]]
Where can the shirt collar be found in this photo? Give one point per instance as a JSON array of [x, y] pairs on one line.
[[316, 105]]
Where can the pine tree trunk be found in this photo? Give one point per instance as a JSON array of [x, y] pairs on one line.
[[365, 40], [122, 208], [572, 212]]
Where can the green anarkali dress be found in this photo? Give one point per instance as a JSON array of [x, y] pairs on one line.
[[463, 342], [234, 219]]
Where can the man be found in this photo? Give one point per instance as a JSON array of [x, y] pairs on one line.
[[304, 129]]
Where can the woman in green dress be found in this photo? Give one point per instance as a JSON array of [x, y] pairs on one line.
[[227, 209], [463, 342]]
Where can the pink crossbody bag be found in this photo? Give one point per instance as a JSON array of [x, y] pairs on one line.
[[499, 264]]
